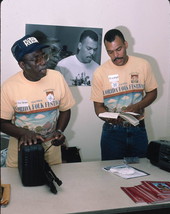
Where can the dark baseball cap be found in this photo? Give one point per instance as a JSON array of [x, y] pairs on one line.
[[25, 45]]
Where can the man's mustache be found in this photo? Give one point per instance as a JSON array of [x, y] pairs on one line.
[[117, 58]]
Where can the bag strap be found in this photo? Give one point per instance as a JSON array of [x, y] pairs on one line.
[[50, 177]]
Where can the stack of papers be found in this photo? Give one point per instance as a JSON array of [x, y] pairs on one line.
[[125, 171]]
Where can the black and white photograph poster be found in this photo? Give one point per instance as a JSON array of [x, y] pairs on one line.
[[73, 51]]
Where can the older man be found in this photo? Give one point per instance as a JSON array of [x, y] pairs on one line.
[[35, 103]]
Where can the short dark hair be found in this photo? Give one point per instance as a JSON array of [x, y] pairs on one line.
[[111, 34], [88, 33]]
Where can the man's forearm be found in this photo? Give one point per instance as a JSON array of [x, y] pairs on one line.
[[100, 108], [10, 129], [148, 99], [63, 120]]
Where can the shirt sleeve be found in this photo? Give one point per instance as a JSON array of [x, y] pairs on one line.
[[7, 109], [97, 88], [150, 81], [67, 100]]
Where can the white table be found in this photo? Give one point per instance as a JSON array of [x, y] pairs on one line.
[[86, 188]]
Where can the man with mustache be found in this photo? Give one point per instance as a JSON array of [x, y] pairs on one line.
[[123, 83], [78, 69], [35, 103]]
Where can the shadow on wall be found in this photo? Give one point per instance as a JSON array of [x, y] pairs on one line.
[[74, 112]]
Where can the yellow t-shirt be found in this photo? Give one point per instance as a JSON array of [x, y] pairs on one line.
[[36, 106], [120, 86]]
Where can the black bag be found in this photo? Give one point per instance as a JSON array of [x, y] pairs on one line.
[[70, 154], [33, 169], [31, 165]]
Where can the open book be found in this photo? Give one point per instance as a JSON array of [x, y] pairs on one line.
[[128, 116]]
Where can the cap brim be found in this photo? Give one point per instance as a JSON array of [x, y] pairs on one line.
[[36, 48]]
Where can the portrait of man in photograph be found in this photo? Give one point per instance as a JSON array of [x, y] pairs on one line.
[[73, 51]]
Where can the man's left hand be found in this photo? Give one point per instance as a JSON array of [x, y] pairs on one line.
[[59, 139]]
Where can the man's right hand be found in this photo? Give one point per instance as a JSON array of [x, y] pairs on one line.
[[29, 138], [23, 135]]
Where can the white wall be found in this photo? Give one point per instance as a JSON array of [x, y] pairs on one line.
[[147, 29]]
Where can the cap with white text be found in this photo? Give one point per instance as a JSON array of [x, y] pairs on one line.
[[26, 45]]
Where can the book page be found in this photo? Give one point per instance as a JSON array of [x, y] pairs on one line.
[[129, 118], [131, 113], [112, 115]]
